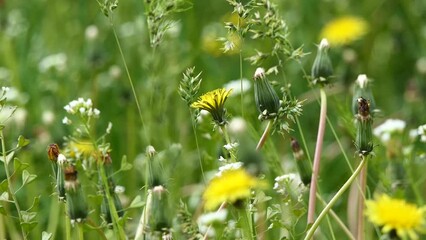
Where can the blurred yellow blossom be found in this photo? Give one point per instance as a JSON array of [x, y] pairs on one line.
[[396, 214], [344, 30], [231, 185]]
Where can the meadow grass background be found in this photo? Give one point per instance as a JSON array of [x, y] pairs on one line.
[[393, 53]]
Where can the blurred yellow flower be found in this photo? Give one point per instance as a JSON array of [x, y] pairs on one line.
[[396, 214], [213, 102], [344, 30], [81, 148], [230, 186]]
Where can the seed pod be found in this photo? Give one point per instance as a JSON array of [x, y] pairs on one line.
[[266, 98], [364, 137], [160, 210], [322, 70], [77, 208], [362, 89], [303, 165]]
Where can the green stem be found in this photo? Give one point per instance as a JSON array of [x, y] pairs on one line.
[[118, 230], [228, 141], [264, 136], [317, 157], [9, 183], [113, 211], [361, 198], [247, 227], [53, 217], [337, 219], [67, 222], [335, 198], [194, 130], [2, 230], [80, 231], [130, 79]]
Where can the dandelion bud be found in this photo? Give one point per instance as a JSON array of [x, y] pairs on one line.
[[105, 209], [53, 152], [362, 89], [303, 165], [364, 137], [266, 98], [150, 151], [77, 208], [322, 69], [160, 210]]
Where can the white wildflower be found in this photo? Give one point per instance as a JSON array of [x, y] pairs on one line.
[[96, 112], [289, 183], [66, 121], [119, 189], [389, 127], [237, 125], [48, 117], [108, 130], [230, 166], [206, 220], [236, 86], [56, 61], [61, 159], [231, 146], [91, 32]]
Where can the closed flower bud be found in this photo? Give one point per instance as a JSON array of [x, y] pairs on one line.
[[160, 210], [77, 208], [303, 165], [362, 89], [266, 98], [322, 69], [364, 137], [53, 152]]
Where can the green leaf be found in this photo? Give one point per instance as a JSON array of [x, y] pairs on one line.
[[19, 166], [34, 206], [8, 157], [4, 197], [125, 166], [22, 142], [137, 202], [2, 210], [27, 177], [28, 226], [46, 235], [3, 186], [28, 216], [1, 127], [96, 200]]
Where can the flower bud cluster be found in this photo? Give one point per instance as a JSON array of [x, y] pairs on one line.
[[82, 107]]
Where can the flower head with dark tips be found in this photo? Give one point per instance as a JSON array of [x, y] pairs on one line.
[[214, 102]]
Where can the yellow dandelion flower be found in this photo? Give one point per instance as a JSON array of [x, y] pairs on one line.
[[230, 186], [213, 102], [81, 148], [395, 214], [344, 30]]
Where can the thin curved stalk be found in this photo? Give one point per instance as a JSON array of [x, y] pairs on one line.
[[264, 136], [317, 157], [361, 198], [336, 197]]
